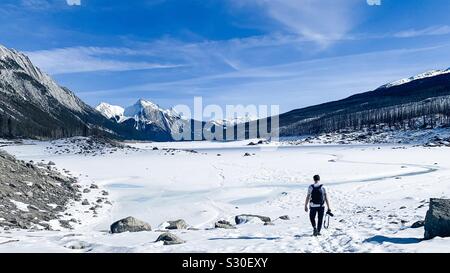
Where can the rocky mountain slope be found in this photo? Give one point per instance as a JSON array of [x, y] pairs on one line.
[[31, 195], [33, 105]]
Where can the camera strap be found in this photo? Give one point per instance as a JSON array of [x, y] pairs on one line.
[[326, 221]]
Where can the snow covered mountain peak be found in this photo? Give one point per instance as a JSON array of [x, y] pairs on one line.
[[111, 111], [424, 75], [147, 104], [142, 107]]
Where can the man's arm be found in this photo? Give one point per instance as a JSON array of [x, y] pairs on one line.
[[328, 202], [308, 196]]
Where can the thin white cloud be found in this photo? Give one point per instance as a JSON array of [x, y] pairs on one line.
[[429, 31], [73, 2], [87, 59], [36, 4], [322, 21]]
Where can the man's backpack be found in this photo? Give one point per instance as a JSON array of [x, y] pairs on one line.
[[317, 196]]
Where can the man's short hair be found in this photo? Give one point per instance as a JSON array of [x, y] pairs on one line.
[[316, 178]]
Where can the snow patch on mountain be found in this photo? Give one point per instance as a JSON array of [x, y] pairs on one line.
[[111, 111], [428, 74], [235, 120]]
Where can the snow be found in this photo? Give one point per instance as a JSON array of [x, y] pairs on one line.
[[424, 75], [234, 120], [111, 111], [21, 206], [376, 193]]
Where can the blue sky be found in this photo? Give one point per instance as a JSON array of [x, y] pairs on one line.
[[293, 53]]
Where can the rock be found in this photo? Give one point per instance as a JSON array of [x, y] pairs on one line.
[[130, 224], [85, 202], [86, 191], [51, 163], [169, 239], [418, 224], [437, 220], [155, 148], [269, 224], [93, 186], [244, 218], [224, 224], [177, 224], [193, 229], [31, 207], [285, 217], [105, 193], [65, 224], [247, 154]]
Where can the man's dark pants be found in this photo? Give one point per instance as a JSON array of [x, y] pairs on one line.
[[313, 211]]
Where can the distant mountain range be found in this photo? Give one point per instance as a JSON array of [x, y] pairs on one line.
[[32, 105], [156, 122]]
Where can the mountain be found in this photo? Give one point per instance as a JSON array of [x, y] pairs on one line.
[[147, 118], [33, 105], [111, 111], [428, 74], [422, 101]]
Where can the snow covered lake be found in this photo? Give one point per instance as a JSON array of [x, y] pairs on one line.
[[376, 193]]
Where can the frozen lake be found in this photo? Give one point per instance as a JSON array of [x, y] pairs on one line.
[[367, 184]]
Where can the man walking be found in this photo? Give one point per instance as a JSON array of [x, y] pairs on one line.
[[315, 200]]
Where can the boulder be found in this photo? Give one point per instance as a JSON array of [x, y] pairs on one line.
[[244, 218], [285, 217], [130, 224], [177, 224], [169, 239], [224, 224], [437, 220]]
